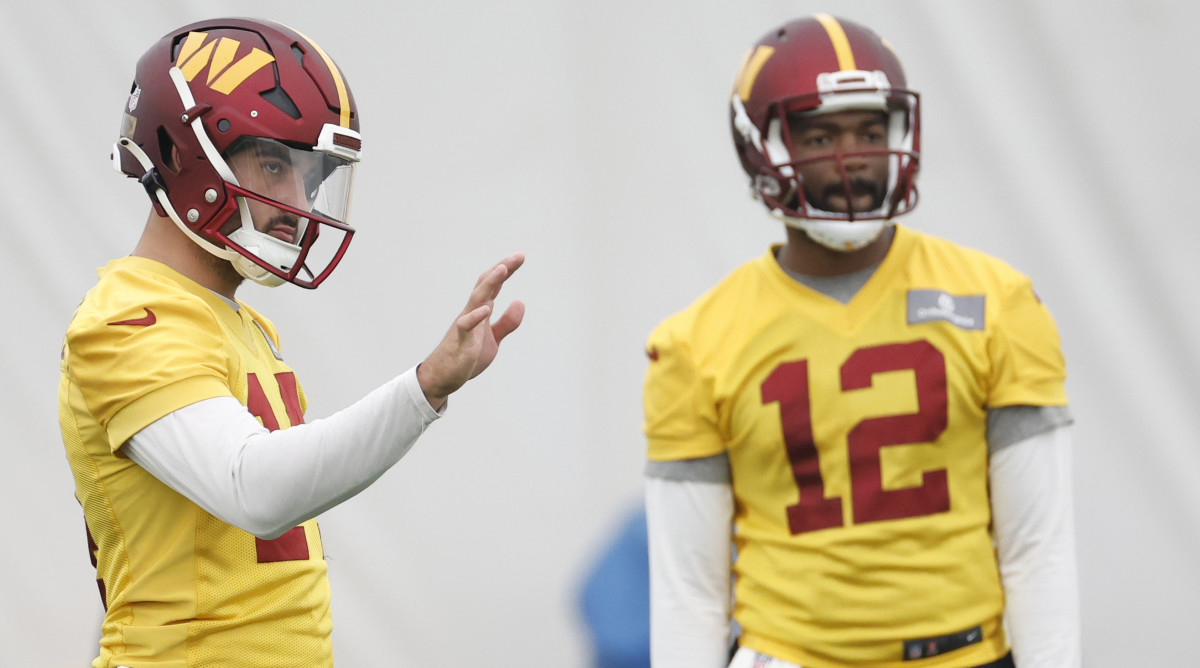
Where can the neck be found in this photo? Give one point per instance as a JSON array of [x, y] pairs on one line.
[[164, 242], [801, 255]]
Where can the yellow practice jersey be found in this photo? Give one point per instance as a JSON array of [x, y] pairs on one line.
[[856, 437], [180, 587]]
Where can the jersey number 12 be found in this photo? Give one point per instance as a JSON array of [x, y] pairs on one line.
[[788, 386]]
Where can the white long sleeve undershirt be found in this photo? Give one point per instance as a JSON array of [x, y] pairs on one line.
[[1033, 520], [220, 457], [688, 526]]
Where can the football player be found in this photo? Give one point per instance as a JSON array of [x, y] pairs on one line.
[[874, 416], [184, 427]]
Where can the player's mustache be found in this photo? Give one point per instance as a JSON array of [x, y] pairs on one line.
[[857, 186]]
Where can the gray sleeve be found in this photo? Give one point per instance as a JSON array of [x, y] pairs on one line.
[[1012, 424], [704, 469], [1005, 426]]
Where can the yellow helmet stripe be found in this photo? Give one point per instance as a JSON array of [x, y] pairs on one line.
[[338, 82], [841, 44], [752, 64]]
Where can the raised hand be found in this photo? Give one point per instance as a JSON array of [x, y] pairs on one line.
[[472, 341]]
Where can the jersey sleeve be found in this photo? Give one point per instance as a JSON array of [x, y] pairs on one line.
[[133, 374], [680, 413], [1027, 361]]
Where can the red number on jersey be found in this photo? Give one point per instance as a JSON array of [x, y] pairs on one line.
[[293, 545], [259, 407], [788, 385]]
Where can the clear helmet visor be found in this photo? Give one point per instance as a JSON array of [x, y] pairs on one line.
[[292, 205]]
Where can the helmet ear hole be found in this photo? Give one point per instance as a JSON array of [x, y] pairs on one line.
[[169, 154], [177, 45]]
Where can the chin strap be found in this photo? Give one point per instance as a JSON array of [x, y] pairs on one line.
[[838, 235], [275, 252]]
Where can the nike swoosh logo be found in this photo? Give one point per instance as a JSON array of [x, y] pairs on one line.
[[145, 321]]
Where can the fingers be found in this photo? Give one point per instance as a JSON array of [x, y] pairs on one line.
[[488, 285], [471, 319], [509, 321], [470, 345], [510, 263], [513, 262], [496, 276]]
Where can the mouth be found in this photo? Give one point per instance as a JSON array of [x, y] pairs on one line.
[[862, 196], [282, 230], [282, 233]]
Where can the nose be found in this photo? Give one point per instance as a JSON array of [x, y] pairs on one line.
[[849, 144], [291, 192]]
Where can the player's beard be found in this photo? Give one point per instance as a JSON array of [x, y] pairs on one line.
[[221, 268]]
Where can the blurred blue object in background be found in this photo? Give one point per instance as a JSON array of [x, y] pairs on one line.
[[615, 600]]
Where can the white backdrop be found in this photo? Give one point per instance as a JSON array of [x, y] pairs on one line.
[[593, 136]]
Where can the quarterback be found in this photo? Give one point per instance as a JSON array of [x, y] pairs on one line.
[[858, 443], [184, 427]]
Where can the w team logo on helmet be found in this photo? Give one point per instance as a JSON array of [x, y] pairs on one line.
[[245, 133], [226, 69]]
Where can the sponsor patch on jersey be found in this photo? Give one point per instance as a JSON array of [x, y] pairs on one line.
[[965, 311], [926, 647]]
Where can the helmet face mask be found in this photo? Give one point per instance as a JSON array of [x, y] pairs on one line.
[[825, 72], [284, 195], [245, 134]]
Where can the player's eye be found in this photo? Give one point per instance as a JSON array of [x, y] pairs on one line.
[[874, 135], [815, 140]]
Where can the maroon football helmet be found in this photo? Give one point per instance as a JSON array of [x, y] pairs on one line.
[[245, 133], [819, 65]]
